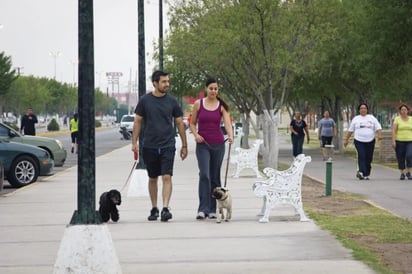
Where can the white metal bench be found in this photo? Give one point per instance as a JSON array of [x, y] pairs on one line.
[[247, 158], [282, 187], [238, 138]]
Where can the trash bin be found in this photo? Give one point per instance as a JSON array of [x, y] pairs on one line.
[[1, 176]]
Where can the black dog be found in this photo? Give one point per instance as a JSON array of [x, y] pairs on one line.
[[108, 202]]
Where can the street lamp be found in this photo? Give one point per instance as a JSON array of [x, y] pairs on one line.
[[74, 63], [19, 70], [55, 55]]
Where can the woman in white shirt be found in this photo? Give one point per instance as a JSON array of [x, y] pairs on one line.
[[364, 126]]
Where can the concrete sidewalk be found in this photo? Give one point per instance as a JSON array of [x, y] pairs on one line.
[[34, 220]]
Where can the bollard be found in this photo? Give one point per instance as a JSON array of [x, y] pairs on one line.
[[328, 186]]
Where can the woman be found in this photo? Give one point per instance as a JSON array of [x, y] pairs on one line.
[[298, 127], [326, 132], [210, 144], [402, 141], [74, 132], [364, 126]]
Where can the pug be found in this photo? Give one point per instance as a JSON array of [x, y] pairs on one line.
[[224, 201]]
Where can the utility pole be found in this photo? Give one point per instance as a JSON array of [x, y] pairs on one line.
[[55, 55], [87, 246], [160, 34], [86, 169], [142, 68]]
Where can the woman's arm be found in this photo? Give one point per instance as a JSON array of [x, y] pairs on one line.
[[193, 122], [394, 132], [228, 124]]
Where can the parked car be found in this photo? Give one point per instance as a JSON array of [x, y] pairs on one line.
[[23, 163], [127, 121], [52, 146]]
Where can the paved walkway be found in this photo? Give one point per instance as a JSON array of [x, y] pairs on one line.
[[384, 188], [33, 221]]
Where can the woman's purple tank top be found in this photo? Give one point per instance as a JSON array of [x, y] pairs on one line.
[[209, 124]]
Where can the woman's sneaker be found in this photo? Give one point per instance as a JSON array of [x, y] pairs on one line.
[[360, 175], [402, 176], [166, 215], [200, 215], [408, 174], [154, 214]]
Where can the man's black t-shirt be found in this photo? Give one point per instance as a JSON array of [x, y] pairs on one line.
[[158, 120]]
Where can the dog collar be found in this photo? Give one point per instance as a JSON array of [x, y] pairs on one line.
[[225, 198]]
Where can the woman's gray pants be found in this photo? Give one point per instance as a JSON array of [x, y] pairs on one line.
[[209, 159]]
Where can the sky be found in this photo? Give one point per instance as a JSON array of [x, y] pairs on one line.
[[41, 37]]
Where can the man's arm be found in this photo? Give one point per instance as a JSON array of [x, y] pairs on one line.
[[136, 132], [182, 132], [22, 123]]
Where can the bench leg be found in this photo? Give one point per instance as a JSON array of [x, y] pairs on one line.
[[265, 218], [258, 175], [299, 209], [237, 172], [262, 211]]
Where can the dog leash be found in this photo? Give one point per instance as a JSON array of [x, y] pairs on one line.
[[131, 171], [227, 164]]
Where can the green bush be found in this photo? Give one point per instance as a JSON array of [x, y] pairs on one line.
[[97, 123], [13, 126], [53, 125]]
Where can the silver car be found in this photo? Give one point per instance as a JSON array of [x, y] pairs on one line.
[[24, 163], [52, 146]]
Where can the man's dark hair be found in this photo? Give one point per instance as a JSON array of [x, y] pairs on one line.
[[157, 74]]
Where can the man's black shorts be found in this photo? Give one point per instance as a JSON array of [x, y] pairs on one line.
[[159, 161]]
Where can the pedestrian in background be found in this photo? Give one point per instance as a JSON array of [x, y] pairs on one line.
[[157, 112], [326, 132], [298, 127], [364, 126], [207, 114], [28, 122], [74, 132], [402, 141]]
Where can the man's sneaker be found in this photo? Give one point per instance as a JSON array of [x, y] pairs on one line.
[[402, 176], [408, 174], [359, 175], [366, 177], [166, 215], [154, 214]]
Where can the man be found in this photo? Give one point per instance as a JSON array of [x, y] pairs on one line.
[[155, 112], [27, 123], [326, 132]]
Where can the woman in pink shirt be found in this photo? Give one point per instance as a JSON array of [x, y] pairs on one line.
[[207, 114]]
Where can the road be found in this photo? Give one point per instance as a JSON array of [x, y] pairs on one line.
[[106, 141]]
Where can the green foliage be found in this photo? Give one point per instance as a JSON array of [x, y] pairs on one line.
[[303, 54], [13, 126], [53, 125], [97, 123], [7, 74]]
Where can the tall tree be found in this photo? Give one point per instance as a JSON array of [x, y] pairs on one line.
[[7, 76]]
